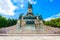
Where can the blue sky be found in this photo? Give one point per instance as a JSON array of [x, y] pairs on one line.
[[49, 9]]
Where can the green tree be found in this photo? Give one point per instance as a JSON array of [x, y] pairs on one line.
[[53, 22], [12, 22], [7, 22], [3, 22]]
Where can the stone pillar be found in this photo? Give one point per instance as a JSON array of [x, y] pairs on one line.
[[37, 18], [20, 23], [41, 24], [23, 23], [37, 25]]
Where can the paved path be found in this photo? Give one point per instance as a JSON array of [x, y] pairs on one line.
[[30, 38]]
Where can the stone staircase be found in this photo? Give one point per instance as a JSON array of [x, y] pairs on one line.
[[17, 30]]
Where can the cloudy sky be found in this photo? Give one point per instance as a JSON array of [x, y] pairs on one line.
[[47, 8]]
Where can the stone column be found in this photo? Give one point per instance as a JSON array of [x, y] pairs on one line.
[[23, 23], [37, 25]]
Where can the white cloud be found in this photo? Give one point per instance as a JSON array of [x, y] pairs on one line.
[[48, 19], [32, 1], [6, 7], [53, 17], [21, 4]]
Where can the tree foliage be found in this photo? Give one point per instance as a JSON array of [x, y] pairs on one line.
[[53, 22], [3, 22], [11, 22], [7, 22]]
